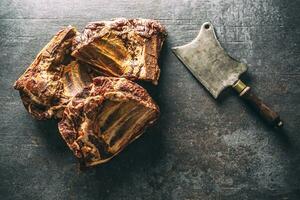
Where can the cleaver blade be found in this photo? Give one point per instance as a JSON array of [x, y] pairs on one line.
[[209, 62]]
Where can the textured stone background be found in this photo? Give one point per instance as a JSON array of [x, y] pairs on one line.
[[201, 148]]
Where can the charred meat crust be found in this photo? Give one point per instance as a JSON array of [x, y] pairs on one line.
[[43, 85], [122, 48], [102, 115], [105, 117]]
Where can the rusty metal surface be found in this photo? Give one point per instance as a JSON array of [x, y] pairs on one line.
[[201, 148], [209, 62]]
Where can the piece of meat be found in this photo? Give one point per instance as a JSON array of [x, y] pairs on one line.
[[122, 48], [53, 78], [105, 117]]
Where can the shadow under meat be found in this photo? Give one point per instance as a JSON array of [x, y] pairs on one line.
[[100, 181], [50, 135], [134, 161]]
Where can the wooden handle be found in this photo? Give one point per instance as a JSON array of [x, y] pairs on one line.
[[263, 109]]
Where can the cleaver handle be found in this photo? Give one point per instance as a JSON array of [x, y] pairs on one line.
[[264, 110]]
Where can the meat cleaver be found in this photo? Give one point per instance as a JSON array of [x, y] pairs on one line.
[[216, 70]]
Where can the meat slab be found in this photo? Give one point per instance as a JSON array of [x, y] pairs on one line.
[[53, 78], [86, 81], [122, 48], [105, 117]]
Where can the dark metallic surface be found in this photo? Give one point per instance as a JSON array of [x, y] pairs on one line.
[[201, 148], [209, 62]]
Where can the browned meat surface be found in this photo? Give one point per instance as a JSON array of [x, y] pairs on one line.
[[53, 77], [122, 48], [102, 115], [105, 117]]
